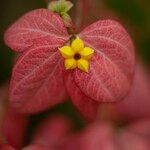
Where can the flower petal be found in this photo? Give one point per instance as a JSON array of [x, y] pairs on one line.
[[67, 52], [83, 65], [87, 53], [70, 63], [37, 26], [112, 66], [77, 45], [85, 105], [37, 81]]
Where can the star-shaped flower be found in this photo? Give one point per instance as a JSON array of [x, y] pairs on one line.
[[40, 80], [77, 56]]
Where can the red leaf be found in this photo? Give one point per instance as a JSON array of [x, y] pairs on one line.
[[112, 66], [85, 105], [37, 81], [34, 27], [137, 104]]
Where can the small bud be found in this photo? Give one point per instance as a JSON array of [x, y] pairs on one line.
[[60, 6], [67, 19]]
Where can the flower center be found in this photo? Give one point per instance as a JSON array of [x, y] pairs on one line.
[[77, 56]]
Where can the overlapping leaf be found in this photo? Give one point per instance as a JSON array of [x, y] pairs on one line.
[[37, 81], [112, 66], [85, 105], [137, 103], [35, 27]]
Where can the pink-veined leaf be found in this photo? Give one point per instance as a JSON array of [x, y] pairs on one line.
[[136, 104], [112, 65], [35, 27], [85, 105], [37, 80]]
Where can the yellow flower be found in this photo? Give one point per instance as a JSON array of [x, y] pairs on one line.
[[77, 55]]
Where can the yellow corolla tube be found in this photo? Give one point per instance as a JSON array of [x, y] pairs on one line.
[[77, 55]]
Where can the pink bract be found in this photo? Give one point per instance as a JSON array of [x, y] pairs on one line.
[[111, 68], [37, 81], [85, 105], [38, 77], [136, 105], [35, 27]]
